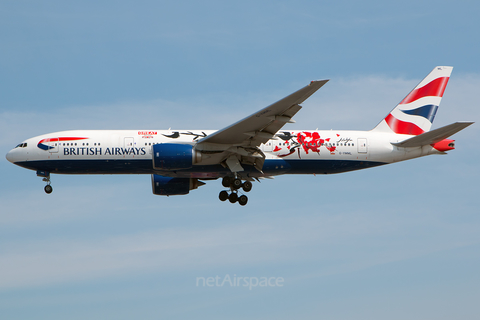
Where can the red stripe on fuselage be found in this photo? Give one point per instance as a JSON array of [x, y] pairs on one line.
[[61, 139], [403, 127], [434, 88]]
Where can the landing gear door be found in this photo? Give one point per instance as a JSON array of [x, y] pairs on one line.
[[53, 145], [362, 145]]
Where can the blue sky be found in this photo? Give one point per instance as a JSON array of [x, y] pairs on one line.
[[399, 241]]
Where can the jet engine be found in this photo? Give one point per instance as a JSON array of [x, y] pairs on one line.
[[168, 186], [173, 156]]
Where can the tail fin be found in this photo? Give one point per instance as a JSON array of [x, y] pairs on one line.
[[415, 113]]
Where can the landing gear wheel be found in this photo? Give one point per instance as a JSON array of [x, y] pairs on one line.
[[226, 182], [247, 186], [243, 200], [237, 184], [48, 189], [233, 197], [223, 195]]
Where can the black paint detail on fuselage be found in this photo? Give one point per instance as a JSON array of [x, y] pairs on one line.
[[174, 135], [144, 166]]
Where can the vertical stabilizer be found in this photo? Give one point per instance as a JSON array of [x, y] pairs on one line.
[[415, 113]]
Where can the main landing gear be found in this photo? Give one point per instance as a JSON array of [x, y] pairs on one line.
[[46, 178], [235, 184]]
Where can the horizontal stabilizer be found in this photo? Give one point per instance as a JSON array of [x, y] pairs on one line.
[[433, 136]]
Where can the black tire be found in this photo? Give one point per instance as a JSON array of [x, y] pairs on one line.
[[247, 186], [243, 200], [237, 184], [48, 189], [233, 197], [226, 182], [223, 195]]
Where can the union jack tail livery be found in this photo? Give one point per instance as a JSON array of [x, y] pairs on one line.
[[415, 113]]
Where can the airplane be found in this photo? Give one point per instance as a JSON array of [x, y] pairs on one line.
[[253, 148]]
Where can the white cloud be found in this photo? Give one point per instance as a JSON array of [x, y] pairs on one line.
[[353, 240]]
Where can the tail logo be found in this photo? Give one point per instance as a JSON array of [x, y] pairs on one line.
[[415, 113]]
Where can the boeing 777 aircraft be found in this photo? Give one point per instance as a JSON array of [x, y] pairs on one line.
[[250, 149]]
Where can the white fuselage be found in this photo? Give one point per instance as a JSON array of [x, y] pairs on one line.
[[130, 151]]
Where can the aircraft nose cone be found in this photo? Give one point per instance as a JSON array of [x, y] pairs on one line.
[[9, 156]]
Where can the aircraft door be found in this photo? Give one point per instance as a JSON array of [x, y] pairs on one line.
[[362, 145]]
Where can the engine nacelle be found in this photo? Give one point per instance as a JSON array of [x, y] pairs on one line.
[[173, 156], [167, 186]]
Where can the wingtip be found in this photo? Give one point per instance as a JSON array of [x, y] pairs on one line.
[[466, 123], [318, 83], [324, 80]]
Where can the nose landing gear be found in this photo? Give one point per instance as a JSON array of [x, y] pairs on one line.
[[48, 189], [46, 178], [235, 184]]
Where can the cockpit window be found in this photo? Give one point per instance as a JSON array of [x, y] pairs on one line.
[[21, 145]]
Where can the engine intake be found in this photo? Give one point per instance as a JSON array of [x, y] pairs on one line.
[[173, 156], [168, 186]]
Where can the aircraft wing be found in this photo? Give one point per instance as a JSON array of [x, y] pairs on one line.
[[238, 144], [434, 136], [262, 125]]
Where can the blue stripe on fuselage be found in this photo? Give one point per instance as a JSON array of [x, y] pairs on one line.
[[144, 166]]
